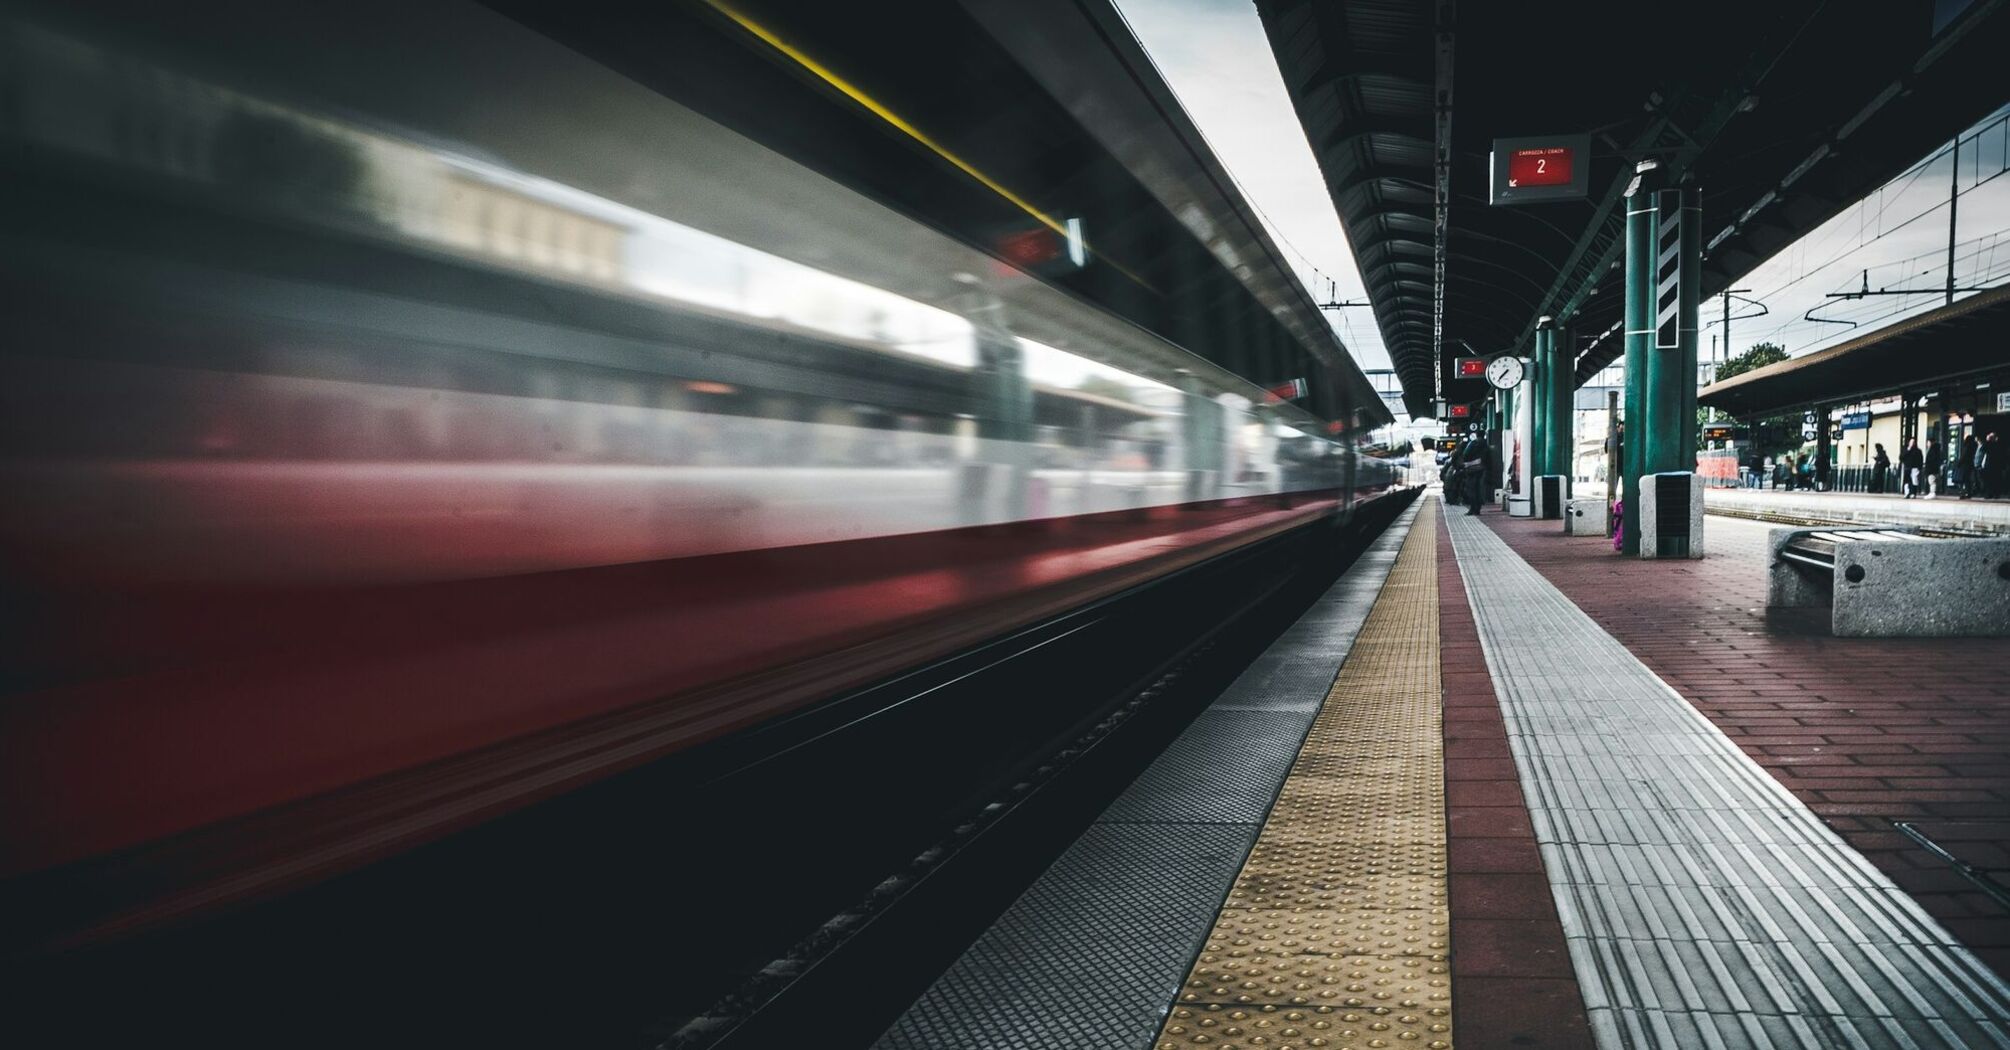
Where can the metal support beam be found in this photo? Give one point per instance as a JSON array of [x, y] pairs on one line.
[[1544, 368], [1639, 337], [1824, 450], [1562, 400], [1670, 406], [1441, 188]]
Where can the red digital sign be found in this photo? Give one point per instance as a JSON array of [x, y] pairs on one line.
[[1472, 367], [1536, 169], [1546, 166], [1459, 411]]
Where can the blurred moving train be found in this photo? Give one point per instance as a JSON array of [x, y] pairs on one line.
[[398, 428]]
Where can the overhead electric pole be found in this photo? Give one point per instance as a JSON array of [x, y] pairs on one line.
[[1953, 206]]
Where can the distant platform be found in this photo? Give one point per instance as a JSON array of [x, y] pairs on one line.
[[1943, 513]]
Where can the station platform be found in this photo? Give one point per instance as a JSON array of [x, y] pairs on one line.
[[1950, 514], [1497, 790]]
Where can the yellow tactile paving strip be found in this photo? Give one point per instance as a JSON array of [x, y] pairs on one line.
[[1336, 933]]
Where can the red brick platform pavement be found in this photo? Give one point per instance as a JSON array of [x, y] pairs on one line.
[[1867, 732], [1512, 984]]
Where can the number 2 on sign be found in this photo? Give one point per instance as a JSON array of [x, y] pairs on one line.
[[1541, 165]]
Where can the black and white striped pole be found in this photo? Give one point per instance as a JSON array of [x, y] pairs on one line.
[[1664, 261], [1671, 368]]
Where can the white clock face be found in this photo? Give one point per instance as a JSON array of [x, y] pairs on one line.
[[1504, 372]]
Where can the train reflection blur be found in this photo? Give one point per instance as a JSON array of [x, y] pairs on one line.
[[349, 429]]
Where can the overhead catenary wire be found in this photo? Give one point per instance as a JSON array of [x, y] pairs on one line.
[[1895, 207]]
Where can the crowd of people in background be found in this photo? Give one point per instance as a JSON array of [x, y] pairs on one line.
[[1792, 470], [1977, 468]]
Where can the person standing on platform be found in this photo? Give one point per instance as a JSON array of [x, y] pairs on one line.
[[1880, 468], [1476, 466], [1990, 464], [1909, 463], [1448, 473], [1971, 474], [1804, 465], [1935, 460]]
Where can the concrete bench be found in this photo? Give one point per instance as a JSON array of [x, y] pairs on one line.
[[1892, 583], [1584, 517]]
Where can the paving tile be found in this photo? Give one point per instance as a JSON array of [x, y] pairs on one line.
[[1520, 1012], [1483, 793], [1489, 822], [1499, 895], [1509, 948], [1470, 854]]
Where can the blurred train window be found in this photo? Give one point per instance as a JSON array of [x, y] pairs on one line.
[[395, 268]]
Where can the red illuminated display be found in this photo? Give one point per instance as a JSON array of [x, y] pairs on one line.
[[1549, 166], [1461, 411], [1472, 367], [1030, 248]]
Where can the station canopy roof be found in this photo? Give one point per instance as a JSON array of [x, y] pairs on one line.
[[1966, 338], [1780, 113]]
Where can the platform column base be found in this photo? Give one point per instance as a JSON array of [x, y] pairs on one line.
[[1671, 515]]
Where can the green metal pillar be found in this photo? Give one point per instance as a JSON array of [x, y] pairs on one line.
[[1671, 365], [1566, 357], [1539, 454], [1497, 436], [1500, 437], [1640, 231], [1562, 430]]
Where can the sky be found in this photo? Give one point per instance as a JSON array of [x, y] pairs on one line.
[[1899, 235], [1217, 59], [1215, 56]]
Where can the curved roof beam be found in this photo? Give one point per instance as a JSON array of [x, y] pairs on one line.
[[1519, 276], [1357, 127], [1371, 177]]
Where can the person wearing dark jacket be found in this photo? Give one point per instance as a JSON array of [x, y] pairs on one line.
[[1935, 459], [1476, 465], [1909, 463], [1990, 464], [1971, 475], [1880, 469]]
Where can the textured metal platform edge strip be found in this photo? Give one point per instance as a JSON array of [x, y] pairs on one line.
[[1091, 954], [1704, 905]]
